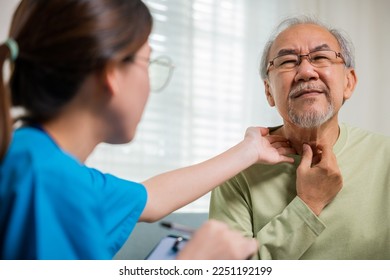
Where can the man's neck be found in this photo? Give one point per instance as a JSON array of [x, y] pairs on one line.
[[324, 135]]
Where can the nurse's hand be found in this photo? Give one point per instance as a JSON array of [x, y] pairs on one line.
[[215, 241], [270, 149]]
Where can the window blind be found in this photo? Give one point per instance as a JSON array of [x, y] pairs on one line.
[[209, 102]]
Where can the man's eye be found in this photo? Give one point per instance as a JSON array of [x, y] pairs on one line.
[[288, 62], [320, 57]]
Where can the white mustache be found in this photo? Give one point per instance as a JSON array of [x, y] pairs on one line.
[[299, 88]]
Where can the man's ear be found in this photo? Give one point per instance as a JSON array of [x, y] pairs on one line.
[[350, 83], [268, 94]]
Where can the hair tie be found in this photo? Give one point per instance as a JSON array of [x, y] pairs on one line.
[[13, 48]]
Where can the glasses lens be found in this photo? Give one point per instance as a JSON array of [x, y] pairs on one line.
[[160, 70], [322, 58], [287, 61]]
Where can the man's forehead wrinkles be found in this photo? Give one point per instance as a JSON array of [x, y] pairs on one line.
[[295, 51]]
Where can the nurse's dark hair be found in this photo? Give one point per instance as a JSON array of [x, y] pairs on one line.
[[60, 43]]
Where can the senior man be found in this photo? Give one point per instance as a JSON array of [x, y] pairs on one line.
[[334, 201]]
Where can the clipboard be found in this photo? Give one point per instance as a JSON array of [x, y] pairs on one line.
[[167, 248]]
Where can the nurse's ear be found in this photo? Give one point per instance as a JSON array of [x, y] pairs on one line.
[[110, 77]]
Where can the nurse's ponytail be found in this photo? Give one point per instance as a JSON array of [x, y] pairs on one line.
[[8, 50]]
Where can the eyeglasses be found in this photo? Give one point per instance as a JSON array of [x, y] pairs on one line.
[[160, 72], [320, 59]]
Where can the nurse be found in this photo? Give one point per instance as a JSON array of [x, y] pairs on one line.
[[80, 73]]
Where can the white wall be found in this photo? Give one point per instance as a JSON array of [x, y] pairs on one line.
[[366, 21], [7, 8]]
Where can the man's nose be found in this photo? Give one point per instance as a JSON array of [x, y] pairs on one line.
[[306, 71]]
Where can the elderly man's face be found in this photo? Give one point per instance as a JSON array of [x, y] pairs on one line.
[[308, 96]]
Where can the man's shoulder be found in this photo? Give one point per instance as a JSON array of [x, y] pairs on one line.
[[357, 134], [365, 143]]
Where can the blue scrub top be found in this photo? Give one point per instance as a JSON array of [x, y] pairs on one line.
[[54, 207]]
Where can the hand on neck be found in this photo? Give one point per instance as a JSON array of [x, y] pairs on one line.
[[324, 135]]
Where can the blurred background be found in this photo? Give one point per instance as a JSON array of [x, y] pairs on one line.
[[216, 92]]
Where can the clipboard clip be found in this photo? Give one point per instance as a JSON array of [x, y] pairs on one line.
[[175, 246]]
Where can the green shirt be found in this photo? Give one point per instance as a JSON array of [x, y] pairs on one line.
[[262, 202]]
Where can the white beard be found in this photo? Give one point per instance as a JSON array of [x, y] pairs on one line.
[[310, 119]]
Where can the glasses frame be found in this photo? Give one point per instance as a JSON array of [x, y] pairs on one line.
[[163, 60], [300, 56]]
